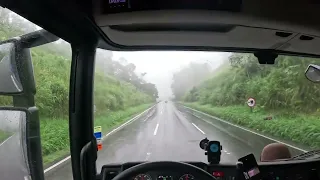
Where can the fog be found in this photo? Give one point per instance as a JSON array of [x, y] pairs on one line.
[[160, 65]]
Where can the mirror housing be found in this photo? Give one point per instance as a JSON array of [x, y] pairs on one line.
[[22, 143], [16, 70], [313, 73]]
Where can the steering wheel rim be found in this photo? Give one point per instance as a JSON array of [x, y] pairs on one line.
[[164, 165]]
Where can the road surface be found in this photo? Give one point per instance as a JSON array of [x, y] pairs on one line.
[[12, 165], [12, 162], [172, 133]]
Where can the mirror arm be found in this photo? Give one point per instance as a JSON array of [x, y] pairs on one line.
[[37, 38], [25, 70]]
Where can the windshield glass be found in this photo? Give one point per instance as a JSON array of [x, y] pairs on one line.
[[152, 106], [187, 96]]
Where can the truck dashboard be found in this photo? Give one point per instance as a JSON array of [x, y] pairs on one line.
[[284, 170]]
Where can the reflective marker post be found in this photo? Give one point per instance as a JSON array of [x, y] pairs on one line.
[[98, 136]]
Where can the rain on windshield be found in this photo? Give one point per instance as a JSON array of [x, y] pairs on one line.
[[179, 98], [227, 97]]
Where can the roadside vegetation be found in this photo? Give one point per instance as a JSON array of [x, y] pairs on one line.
[[119, 93], [287, 104], [55, 132]]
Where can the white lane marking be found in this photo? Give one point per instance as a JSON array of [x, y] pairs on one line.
[[57, 164], [6, 140], [294, 147], [114, 130], [15, 84], [156, 129], [228, 153], [225, 151], [198, 128], [126, 123], [148, 155]]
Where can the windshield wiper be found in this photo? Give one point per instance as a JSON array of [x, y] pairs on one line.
[[314, 154]]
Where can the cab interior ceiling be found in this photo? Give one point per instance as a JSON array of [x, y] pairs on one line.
[[282, 27]]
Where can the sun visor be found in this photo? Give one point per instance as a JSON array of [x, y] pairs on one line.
[[204, 35], [302, 44]]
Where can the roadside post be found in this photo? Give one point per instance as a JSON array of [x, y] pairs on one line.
[[98, 135], [251, 103]]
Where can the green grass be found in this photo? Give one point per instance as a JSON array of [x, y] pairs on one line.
[[55, 132], [301, 129], [4, 136]]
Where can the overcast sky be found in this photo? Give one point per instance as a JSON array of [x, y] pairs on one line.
[[160, 65]]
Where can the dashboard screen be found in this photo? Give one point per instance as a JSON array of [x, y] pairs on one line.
[[253, 172], [118, 6]]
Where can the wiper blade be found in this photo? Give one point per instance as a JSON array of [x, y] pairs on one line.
[[314, 154]]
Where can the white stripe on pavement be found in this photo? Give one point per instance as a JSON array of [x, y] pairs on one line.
[[156, 129], [198, 128], [6, 140], [114, 130]]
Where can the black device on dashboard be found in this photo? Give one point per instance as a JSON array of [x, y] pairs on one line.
[[249, 167], [213, 150]]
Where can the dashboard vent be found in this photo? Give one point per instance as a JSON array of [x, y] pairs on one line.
[[309, 155]]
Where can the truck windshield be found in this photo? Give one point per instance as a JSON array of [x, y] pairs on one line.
[[151, 106]]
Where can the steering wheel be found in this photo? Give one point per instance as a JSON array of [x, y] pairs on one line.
[[164, 165]]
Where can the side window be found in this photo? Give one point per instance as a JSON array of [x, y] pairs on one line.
[[51, 65]]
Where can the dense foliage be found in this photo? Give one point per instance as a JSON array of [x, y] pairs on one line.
[[282, 86], [282, 93], [52, 74]]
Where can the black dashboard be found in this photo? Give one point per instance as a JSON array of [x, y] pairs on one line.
[[293, 170]]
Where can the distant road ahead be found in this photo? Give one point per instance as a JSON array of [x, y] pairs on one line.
[[172, 133]]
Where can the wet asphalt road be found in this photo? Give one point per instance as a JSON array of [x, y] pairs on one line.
[[171, 133], [11, 159]]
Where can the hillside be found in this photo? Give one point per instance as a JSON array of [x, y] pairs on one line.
[[282, 94]]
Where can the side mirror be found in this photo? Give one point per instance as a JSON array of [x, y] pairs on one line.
[[313, 73], [20, 145], [13, 143], [9, 77], [16, 71]]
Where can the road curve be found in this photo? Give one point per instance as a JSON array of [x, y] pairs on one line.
[[171, 133], [12, 164]]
